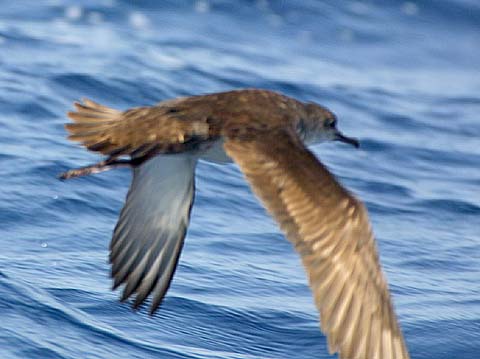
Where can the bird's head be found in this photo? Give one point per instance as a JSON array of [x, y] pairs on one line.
[[320, 125]]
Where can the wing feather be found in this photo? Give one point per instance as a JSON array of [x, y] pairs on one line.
[[150, 232], [330, 229]]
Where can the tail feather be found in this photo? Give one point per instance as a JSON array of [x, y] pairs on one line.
[[87, 117], [89, 104], [139, 133], [92, 125], [86, 126], [86, 137]]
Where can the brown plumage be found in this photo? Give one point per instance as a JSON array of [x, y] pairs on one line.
[[331, 231], [264, 133]]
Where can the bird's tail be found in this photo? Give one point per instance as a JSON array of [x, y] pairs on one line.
[[92, 125], [121, 134]]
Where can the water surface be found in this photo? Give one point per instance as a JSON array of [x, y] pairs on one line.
[[402, 76]]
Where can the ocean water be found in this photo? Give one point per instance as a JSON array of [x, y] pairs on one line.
[[403, 76]]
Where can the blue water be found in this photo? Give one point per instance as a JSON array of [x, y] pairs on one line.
[[402, 76]]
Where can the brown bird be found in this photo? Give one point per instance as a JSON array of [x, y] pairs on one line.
[[266, 134]]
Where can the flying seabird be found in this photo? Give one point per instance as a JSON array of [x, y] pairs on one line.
[[266, 134]]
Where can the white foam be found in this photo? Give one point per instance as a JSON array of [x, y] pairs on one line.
[[73, 12], [138, 20], [168, 60], [410, 8], [202, 6]]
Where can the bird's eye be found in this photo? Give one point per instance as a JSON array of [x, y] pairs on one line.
[[331, 123]]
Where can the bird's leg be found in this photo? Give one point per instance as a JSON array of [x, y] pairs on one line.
[[102, 166]]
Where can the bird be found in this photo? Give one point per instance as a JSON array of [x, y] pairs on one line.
[[267, 135]]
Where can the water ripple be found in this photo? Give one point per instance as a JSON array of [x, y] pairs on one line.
[[240, 290]]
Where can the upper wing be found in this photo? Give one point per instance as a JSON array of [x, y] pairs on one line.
[[149, 235], [331, 231]]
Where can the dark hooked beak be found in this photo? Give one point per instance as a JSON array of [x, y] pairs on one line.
[[350, 140]]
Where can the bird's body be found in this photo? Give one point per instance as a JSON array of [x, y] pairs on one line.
[[264, 133]]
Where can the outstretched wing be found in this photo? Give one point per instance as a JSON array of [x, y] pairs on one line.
[[331, 231], [149, 235]]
